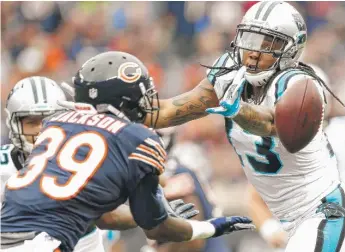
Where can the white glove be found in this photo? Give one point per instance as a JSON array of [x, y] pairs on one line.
[[230, 104]]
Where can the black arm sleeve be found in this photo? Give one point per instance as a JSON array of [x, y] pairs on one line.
[[146, 203]]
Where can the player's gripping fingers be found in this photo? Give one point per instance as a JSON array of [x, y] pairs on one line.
[[176, 203], [177, 208], [229, 107], [225, 225], [189, 214], [239, 89], [242, 226], [230, 110], [185, 211], [234, 91], [216, 110], [241, 223], [184, 208], [239, 219]]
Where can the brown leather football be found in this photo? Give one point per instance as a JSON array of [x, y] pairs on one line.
[[299, 114]]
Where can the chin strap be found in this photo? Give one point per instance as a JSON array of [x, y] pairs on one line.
[[259, 79]]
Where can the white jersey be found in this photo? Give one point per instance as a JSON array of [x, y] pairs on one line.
[[11, 162], [337, 139], [8, 166], [292, 185]]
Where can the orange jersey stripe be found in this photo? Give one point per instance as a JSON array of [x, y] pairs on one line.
[[147, 160], [151, 152], [157, 146]]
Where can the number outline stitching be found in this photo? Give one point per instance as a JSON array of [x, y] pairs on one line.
[[41, 159], [74, 173]]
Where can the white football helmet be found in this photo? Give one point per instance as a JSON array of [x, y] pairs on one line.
[[273, 27], [31, 96]]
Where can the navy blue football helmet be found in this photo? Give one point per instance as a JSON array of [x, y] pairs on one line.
[[117, 80]]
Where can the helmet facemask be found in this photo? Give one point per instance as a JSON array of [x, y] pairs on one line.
[[139, 110], [17, 135], [264, 41], [146, 102], [33, 96]]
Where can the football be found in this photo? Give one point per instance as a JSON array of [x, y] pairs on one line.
[[299, 114]]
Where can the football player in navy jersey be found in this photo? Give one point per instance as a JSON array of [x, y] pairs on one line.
[[29, 102], [89, 160]]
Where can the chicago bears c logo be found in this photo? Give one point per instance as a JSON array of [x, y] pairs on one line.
[[127, 75]]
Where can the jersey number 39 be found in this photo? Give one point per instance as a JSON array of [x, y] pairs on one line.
[[65, 154]]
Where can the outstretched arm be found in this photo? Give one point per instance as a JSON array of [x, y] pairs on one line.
[[258, 120], [185, 107], [146, 204], [191, 105], [122, 219]]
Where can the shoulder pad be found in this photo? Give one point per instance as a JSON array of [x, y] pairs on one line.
[[223, 61]]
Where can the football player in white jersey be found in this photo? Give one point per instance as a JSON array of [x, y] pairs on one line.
[[336, 125], [268, 226], [337, 139], [302, 189], [29, 102]]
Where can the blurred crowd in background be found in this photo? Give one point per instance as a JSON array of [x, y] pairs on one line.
[[54, 39]]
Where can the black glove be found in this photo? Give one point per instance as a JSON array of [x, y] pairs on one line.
[[177, 208], [183, 210], [226, 225]]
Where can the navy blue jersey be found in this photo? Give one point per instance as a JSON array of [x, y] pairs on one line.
[[83, 166], [215, 244]]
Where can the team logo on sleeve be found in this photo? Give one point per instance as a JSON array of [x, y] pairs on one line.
[[129, 72], [93, 93]]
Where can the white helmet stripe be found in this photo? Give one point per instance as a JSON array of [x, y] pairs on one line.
[[39, 89], [269, 10], [44, 89], [262, 5], [34, 89]]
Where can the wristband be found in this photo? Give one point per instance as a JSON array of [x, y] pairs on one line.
[[201, 229], [269, 227]]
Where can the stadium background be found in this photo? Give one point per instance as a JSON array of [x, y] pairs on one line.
[[53, 39]]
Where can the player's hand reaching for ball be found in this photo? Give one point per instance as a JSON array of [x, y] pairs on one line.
[[230, 104]]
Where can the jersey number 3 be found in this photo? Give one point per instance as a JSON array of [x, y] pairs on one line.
[[265, 148], [65, 154]]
